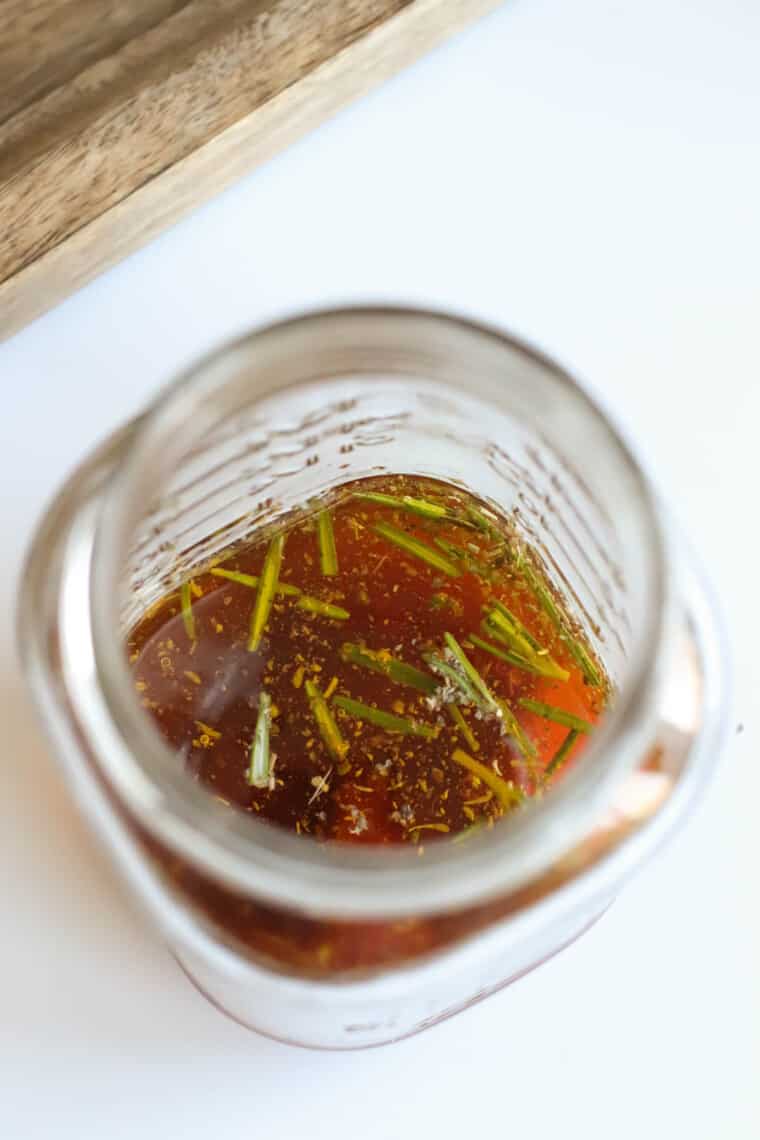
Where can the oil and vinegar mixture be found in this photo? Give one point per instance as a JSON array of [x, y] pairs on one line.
[[389, 665]]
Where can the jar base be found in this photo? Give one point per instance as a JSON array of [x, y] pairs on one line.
[[363, 1035]]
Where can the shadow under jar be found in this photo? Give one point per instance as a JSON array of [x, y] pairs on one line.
[[252, 433]]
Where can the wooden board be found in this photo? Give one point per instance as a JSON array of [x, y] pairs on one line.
[[117, 117]]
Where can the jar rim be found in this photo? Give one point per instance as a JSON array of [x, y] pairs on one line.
[[297, 871]]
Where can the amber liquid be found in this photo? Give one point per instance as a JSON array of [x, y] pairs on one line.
[[201, 683]]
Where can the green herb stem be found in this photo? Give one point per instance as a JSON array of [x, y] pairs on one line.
[[483, 523], [385, 720], [252, 580], [449, 548], [425, 508], [438, 664], [328, 729], [504, 655], [305, 601], [380, 661], [416, 548], [474, 685], [505, 791], [487, 698], [259, 770], [463, 727], [472, 564], [525, 745], [517, 625], [266, 590], [562, 753], [559, 618], [328, 555], [503, 628], [498, 625], [422, 507], [558, 716], [381, 499], [583, 659], [326, 609]]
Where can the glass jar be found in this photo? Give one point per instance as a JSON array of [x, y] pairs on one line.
[[255, 429]]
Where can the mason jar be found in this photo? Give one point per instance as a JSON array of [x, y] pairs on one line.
[[254, 430]]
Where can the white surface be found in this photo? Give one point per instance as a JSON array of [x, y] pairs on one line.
[[588, 175]]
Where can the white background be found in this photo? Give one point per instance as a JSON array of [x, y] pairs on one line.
[[586, 174]]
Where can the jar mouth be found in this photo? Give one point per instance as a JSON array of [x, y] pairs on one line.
[[298, 871]]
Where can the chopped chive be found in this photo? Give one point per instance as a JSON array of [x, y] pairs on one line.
[[385, 720], [503, 654], [473, 565], [439, 665], [498, 625], [582, 657], [556, 614], [305, 602], [378, 497], [464, 728], [517, 732], [542, 592], [419, 549], [328, 729], [253, 581], [503, 628], [505, 791], [266, 590], [562, 753], [449, 548], [429, 827], [522, 641], [435, 511], [380, 661], [471, 673], [559, 716], [188, 617], [331, 688], [260, 769], [326, 609], [328, 555], [482, 522], [422, 507], [486, 700], [522, 630]]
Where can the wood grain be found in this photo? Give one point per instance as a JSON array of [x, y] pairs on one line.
[[117, 117]]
